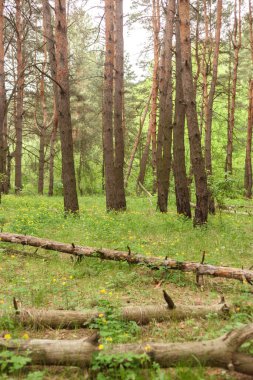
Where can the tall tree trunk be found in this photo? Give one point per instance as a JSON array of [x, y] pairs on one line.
[[248, 182], [19, 99], [108, 148], [197, 161], [63, 100], [3, 150], [181, 182], [236, 41], [209, 111], [113, 106], [151, 135], [156, 31], [164, 137], [118, 107], [43, 126], [50, 41]]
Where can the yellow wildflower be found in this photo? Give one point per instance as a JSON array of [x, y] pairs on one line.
[[101, 315], [1, 302], [102, 291], [7, 336], [25, 336], [109, 339], [101, 347], [64, 283], [54, 279], [147, 348], [71, 277], [13, 256]]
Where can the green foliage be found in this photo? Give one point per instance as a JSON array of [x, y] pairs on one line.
[[110, 325], [11, 362], [118, 366]]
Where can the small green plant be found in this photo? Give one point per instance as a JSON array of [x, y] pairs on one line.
[[11, 362], [118, 366], [110, 325]]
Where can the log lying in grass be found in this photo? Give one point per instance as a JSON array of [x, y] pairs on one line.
[[110, 254], [140, 314], [220, 352]]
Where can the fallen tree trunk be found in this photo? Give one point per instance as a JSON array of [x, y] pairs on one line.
[[110, 254], [220, 352], [140, 314]]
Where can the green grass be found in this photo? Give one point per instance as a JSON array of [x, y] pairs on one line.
[[53, 280]]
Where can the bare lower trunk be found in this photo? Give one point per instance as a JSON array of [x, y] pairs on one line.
[[179, 167], [248, 181], [63, 102], [164, 137], [236, 40], [19, 100], [120, 200], [209, 111], [3, 151], [50, 41], [197, 161], [220, 352], [149, 261]]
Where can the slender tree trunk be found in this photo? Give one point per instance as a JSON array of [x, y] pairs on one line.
[[164, 137], [118, 107], [204, 69], [197, 161], [156, 31], [50, 41], [236, 40], [43, 126], [3, 150], [248, 182], [209, 111], [63, 100], [19, 99], [151, 135], [137, 140], [108, 106], [197, 58], [181, 182], [144, 157]]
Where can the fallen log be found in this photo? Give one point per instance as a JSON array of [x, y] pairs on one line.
[[221, 352], [131, 258], [142, 315]]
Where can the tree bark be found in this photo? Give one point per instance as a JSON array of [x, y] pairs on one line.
[[142, 315], [108, 106], [19, 99], [221, 352], [63, 102], [120, 199], [237, 42], [179, 167], [50, 42], [197, 161], [210, 100], [42, 127], [2, 101], [110, 254], [248, 181], [164, 136]]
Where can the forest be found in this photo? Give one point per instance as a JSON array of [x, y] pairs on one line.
[[126, 228]]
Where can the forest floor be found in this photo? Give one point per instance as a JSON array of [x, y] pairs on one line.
[[47, 279]]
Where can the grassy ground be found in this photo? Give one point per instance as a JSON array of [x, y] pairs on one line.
[[52, 280]]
